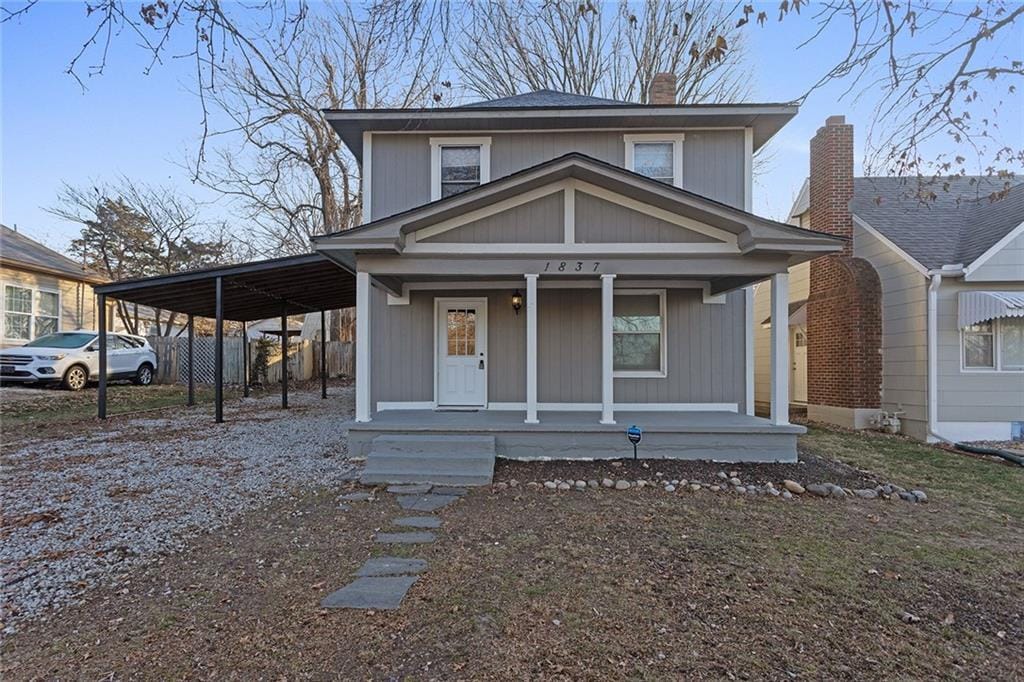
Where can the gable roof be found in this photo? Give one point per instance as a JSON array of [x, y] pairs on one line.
[[754, 232], [545, 98], [552, 110], [955, 228], [19, 251]]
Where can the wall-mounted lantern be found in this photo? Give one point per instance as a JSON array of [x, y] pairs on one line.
[[517, 301]]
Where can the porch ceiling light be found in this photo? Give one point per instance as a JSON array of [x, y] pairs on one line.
[[517, 301]]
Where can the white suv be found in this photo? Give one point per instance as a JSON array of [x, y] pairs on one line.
[[72, 358]]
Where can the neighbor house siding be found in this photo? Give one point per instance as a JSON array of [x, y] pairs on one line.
[[713, 162], [1006, 265], [904, 332], [77, 301], [975, 395], [705, 349]]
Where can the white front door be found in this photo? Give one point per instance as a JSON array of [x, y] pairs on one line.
[[461, 352], [798, 356]]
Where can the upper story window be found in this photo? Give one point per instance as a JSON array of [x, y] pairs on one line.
[[458, 164], [658, 156]]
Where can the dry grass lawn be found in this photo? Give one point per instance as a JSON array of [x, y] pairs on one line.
[[526, 583]]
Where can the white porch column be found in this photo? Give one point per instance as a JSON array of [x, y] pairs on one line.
[[780, 348], [607, 383], [362, 346], [531, 349]]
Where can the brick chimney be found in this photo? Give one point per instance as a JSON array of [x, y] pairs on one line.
[[831, 179], [844, 318], [663, 89]]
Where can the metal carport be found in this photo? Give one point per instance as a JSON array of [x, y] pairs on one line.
[[241, 293]]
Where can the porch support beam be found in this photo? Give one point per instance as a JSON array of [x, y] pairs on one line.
[[780, 349], [607, 362], [323, 354], [362, 346], [531, 349]]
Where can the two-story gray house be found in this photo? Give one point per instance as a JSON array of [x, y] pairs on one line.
[[548, 269]]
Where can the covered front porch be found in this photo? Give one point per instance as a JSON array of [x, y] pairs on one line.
[[706, 435]]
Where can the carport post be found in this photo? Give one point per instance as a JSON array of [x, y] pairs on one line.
[[284, 359], [101, 394], [218, 354], [323, 355], [191, 365], [245, 362]]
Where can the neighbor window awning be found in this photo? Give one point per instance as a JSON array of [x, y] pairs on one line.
[[978, 306], [797, 314]]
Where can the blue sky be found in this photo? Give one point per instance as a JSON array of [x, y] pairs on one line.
[[145, 126]]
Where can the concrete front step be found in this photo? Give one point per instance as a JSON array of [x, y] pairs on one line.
[[435, 459]]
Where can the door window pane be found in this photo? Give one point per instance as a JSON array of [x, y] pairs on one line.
[[979, 346], [460, 169], [1011, 340], [655, 160], [461, 332]]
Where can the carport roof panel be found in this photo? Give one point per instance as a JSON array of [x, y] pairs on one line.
[[252, 291]]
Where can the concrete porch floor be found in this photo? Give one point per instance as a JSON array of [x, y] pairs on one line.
[[719, 436]]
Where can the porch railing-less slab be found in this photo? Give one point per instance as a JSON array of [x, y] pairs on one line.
[[717, 436]]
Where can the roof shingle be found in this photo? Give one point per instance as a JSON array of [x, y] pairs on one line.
[[18, 249]]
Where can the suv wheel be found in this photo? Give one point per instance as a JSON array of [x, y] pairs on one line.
[[144, 377], [75, 378]]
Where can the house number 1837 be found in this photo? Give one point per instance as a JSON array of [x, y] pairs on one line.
[[571, 266]]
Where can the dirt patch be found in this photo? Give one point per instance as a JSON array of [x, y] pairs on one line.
[[810, 469]]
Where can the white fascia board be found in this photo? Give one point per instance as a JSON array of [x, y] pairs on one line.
[[993, 250]]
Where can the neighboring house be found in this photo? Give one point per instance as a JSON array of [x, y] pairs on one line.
[[936, 330], [548, 269], [43, 291]]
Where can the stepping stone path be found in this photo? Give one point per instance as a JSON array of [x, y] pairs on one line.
[[382, 593], [382, 582], [418, 522], [410, 489], [426, 503], [391, 565], [419, 538]]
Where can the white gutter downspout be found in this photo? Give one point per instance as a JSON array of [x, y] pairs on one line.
[[933, 345]]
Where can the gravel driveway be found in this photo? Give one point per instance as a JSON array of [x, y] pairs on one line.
[[80, 511]]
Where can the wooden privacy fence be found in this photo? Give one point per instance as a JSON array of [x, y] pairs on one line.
[[303, 359]]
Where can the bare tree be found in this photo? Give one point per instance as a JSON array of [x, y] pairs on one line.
[[939, 73], [610, 50], [137, 230]]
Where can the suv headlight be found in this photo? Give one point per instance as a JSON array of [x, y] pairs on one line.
[[50, 357]]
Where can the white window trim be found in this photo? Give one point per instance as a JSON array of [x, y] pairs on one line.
[[677, 151], [997, 353], [32, 315], [436, 143], [663, 311]]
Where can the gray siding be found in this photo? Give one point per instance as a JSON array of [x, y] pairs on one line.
[[601, 221], [539, 222], [712, 162], [713, 165], [402, 354], [705, 349], [972, 396], [1007, 265], [904, 332]]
